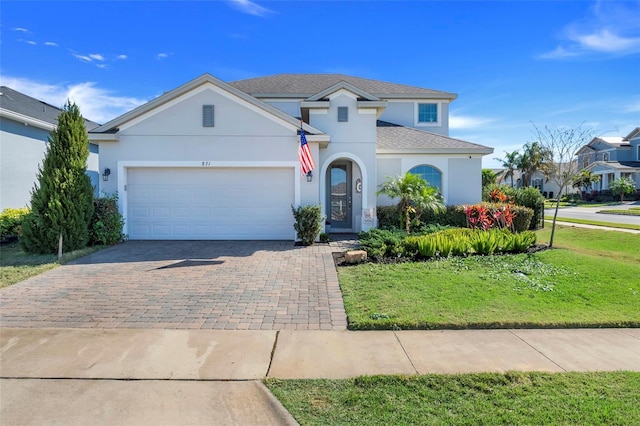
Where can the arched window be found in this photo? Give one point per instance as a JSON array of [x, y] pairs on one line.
[[432, 175]]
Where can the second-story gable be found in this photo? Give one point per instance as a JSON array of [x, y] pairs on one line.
[[408, 106], [604, 149]]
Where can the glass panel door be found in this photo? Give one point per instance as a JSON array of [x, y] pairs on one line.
[[340, 195]]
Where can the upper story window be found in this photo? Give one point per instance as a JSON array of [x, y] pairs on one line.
[[638, 152], [207, 116], [343, 114], [428, 114], [585, 162], [605, 156], [432, 175]]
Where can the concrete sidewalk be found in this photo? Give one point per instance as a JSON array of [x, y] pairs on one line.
[[252, 355], [139, 377]]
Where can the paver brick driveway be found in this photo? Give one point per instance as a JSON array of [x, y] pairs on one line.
[[232, 285]]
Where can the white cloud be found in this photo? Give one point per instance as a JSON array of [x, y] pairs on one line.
[[162, 55], [31, 42], [559, 53], [96, 56], [22, 30], [606, 41], [51, 43], [250, 8], [467, 122], [83, 58], [611, 28], [96, 104], [122, 56]]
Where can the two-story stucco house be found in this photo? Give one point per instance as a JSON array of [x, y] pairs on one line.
[[25, 125], [612, 158], [217, 160]]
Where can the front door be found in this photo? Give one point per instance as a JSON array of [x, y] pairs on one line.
[[339, 195]]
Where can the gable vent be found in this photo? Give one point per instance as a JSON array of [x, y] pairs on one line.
[[343, 114], [207, 116]]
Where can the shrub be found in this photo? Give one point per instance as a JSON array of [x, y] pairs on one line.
[[532, 198], [519, 243], [107, 222], [309, 223], [486, 242], [521, 218], [11, 221], [389, 217], [452, 216], [494, 193], [427, 246], [380, 243]]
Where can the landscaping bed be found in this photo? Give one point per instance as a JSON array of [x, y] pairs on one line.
[[591, 280]]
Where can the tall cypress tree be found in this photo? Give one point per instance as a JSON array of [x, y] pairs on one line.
[[62, 198]]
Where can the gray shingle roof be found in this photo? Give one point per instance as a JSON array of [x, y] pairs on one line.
[[395, 137], [17, 102], [306, 85]]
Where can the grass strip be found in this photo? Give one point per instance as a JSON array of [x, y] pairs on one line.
[[17, 265], [465, 399], [629, 212], [594, 222]]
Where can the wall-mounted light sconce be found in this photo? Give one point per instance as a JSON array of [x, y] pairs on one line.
[[309, 176], [105, 174]]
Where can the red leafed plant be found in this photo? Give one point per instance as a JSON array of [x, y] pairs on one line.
[[497, 196], [482, 217], [477, 217]]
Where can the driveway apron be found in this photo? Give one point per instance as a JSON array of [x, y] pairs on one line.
[[230, 285]]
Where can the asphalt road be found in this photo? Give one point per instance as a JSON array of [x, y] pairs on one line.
[[591, 213]]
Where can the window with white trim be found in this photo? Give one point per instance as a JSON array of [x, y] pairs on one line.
[[429, 173], [427, 113], [605, 156]]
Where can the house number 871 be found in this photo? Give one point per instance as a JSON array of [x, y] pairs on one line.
[[206, 163]]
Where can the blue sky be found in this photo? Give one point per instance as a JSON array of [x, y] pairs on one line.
[[513, 64]]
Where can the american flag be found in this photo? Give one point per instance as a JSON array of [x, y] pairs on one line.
[[304, 154]]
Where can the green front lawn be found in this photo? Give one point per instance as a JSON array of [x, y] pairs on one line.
[[592, 282], [468, 399], [16, 265]]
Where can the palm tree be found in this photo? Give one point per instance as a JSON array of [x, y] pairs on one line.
[[585, 180], [534, 158], [415, 196], [510, 163]]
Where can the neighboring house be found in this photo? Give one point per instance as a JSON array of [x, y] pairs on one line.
[[25, 125], [216, 160], [612, 158], [547, 185]]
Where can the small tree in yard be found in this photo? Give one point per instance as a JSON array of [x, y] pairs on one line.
[[560, 146], [622, 186], [62, 199], [415, 196]]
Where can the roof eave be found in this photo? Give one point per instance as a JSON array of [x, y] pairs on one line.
[[187, 87], [26, 120], [462, 151]]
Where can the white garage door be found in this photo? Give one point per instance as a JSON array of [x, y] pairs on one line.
[[210, 203]]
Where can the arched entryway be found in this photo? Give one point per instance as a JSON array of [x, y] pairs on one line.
[[343, 200]]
